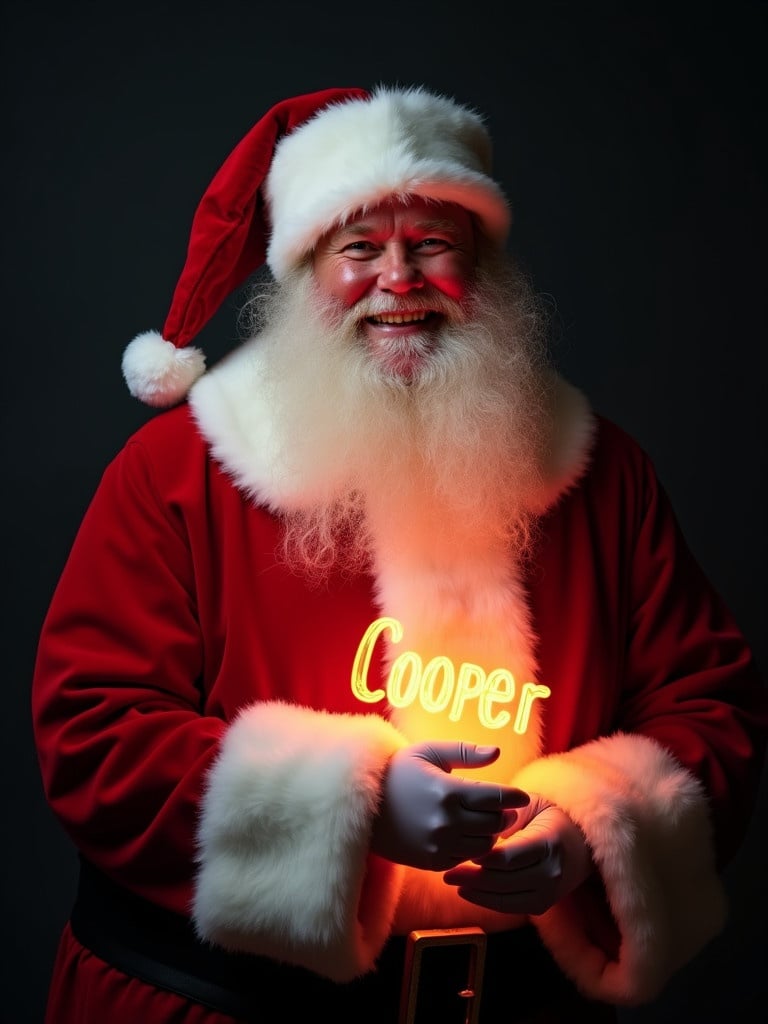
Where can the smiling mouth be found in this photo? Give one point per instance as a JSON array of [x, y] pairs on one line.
[[417, 317]]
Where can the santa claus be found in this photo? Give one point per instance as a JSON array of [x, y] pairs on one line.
[[381, 636]]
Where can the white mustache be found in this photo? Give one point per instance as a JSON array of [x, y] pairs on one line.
[[378, 304]]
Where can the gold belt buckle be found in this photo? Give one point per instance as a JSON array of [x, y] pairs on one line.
[[417, 943]]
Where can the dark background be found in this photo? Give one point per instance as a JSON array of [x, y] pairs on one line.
[[631, 140]]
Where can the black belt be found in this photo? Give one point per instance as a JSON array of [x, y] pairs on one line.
[[161, 948]]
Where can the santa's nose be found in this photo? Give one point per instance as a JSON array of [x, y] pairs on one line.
[[398, 270]]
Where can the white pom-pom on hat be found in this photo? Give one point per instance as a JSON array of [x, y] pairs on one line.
[[157, 372]]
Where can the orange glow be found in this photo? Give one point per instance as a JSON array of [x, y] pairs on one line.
[[438, 686]]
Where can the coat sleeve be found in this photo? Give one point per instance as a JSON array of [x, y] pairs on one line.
[[663, 800], [122, 742], [272, 811]]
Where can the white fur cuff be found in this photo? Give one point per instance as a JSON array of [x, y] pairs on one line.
[[283, 839], [646, 820]]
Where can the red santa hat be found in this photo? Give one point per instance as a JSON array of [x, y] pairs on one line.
[[308, 164]]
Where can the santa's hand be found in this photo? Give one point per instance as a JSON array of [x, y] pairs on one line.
[[543, 859], [431, 819]]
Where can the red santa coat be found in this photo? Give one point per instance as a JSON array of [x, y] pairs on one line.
[[200, 740]]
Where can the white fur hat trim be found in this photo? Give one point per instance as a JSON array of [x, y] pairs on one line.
[[353, 155]]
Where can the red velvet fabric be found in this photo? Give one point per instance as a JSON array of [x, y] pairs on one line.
[[173, 613], [229, 230], [85, 990]]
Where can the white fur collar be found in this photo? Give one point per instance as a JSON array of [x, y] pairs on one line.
[[234, 415]]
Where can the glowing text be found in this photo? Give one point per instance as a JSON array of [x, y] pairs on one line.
[[439, 686]]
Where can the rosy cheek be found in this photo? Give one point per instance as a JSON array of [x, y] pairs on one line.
[[455, 286], [352, 282], [452, 278]]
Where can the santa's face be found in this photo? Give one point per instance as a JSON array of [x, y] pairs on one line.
[[394, 263]]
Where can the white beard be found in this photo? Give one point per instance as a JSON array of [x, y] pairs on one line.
[[451, 457], [432, 485]]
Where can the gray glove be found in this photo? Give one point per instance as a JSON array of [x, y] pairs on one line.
[[543, 859], [431, 819]]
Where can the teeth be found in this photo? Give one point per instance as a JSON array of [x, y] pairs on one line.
[[400, 318]]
